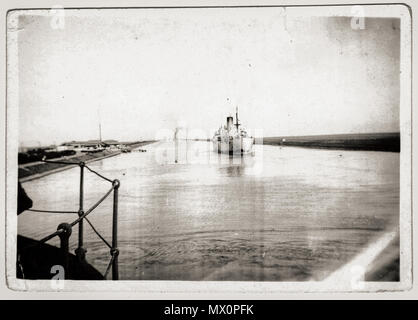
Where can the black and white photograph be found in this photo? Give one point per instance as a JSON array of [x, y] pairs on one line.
[[254, 145]]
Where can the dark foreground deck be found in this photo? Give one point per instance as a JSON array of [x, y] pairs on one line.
[[37, 260]]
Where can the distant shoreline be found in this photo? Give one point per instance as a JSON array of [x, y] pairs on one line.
[[389, 142], [38, 170], [385, 141]]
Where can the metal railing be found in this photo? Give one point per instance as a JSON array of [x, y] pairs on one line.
[[64, 230]]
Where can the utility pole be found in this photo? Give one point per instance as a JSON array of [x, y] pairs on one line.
[[100, 124]]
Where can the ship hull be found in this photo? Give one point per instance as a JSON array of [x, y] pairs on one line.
[[233, 145]]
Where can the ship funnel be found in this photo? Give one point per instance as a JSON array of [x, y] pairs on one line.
[[229, 122]]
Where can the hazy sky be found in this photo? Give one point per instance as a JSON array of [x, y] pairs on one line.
[[141, 71]]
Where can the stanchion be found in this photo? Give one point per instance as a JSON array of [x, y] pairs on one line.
[[114, 251], [64, 238], [80, 251]]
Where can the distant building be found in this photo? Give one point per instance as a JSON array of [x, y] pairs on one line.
[[62, 148], [112, 144], [92, 145], [83, 145]]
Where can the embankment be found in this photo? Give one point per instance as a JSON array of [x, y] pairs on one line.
[[366, 141], [38, 170]]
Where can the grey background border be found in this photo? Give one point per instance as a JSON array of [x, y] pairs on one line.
[[5, 292]]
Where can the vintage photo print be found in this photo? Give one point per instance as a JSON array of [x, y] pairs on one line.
[[209, 149]]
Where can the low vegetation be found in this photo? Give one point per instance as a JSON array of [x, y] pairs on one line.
[[38, 154]]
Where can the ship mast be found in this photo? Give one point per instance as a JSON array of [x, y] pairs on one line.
[[236, 117]]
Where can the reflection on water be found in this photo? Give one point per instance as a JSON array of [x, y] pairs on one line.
[[283, 214]]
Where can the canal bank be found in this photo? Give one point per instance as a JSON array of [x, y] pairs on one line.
[[386, 141], [28, 172]]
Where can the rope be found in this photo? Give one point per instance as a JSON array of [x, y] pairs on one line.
[[83, 216], [103, 177], [58, 232], [92, 208], [78, 163], [109, 265], [51, 211], [97, 232], [52, 235]]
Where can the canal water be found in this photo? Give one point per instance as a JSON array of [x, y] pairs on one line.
[[281, 214]]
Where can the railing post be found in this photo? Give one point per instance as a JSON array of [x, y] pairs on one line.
[[64, 237], [114, 251], [80, 251]]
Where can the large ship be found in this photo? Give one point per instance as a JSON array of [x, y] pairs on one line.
[[232, 138]]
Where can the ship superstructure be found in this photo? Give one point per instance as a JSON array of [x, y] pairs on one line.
[[232, 138]]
